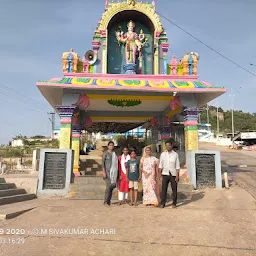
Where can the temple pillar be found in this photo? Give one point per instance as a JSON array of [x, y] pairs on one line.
[[66, 113], [156, 54], [104, 50], [76, 134], [191, 128], [165, 131], [96, 47], [165, 135], [165, 47], [76, 147]]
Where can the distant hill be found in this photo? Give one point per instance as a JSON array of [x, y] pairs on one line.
[[242, 121]]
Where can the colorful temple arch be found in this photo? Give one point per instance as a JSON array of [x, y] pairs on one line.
[[125, 81]]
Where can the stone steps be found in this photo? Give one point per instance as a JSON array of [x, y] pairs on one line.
[[90, 166], [4, 186], [93, 188], [16, 198], [10, 194], [94, 172], [90, 179]]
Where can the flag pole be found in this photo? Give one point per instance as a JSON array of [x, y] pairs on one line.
[[207, 109], [218, 127]]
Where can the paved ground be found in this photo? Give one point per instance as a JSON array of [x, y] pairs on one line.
[[214, 222], [245, 177]]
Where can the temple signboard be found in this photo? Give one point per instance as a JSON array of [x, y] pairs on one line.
[[55, 169], [204, 168]]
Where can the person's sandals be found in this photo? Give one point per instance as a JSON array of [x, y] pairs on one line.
[[131, 203]]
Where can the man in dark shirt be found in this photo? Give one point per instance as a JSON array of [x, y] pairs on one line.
[[110, 171]]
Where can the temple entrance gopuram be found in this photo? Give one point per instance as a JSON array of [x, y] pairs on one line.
[[126, 81]]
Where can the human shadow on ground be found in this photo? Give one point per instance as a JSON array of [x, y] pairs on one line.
[[194, 198]]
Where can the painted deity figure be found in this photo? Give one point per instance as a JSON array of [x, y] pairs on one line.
[[131, 2], [70, 59], [174, 65], [190, 65], [85, 65], [132, 42]]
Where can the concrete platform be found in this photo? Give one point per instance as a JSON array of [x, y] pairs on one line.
[[13, 210], [93, 188]]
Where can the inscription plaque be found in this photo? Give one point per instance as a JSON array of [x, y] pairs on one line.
[[54, 170], [205, 170]]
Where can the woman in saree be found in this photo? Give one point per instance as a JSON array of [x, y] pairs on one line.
[[148, 167]]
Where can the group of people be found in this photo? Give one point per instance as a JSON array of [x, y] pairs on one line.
[[125, 173]]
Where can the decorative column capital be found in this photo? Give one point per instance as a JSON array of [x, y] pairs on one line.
[[191, 118], [66, 110], [66, 113], [165, 47], [76, 134], [103, 33], [191, 113], [95, 45]]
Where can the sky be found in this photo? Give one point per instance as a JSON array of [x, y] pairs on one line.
[[35, 33]]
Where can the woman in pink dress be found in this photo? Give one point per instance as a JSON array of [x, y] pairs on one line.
[[148, 167], [123, 187]]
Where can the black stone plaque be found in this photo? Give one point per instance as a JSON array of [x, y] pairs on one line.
[[205, 170], [54, 170]]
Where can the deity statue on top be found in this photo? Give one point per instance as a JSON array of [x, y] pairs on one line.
[[133, 42]]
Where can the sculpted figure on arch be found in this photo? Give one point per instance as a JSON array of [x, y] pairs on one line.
[[131, 2], [132, 42]]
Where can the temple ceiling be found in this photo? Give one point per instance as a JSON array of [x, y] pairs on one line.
[[115, 127]]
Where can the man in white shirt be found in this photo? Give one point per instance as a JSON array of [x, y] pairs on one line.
[[169, 169]]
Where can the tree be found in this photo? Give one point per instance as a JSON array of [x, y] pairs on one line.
[[13, 152], [38, 137], [242, 121], [19, 137]]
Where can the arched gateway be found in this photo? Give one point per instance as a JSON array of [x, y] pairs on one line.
[[126, 81]]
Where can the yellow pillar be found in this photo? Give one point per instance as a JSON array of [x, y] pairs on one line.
[[76, 148], [191, 138], [65, 133], [66, 113], [163, 146]]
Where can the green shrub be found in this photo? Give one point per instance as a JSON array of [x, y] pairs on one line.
[[13, 152]]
